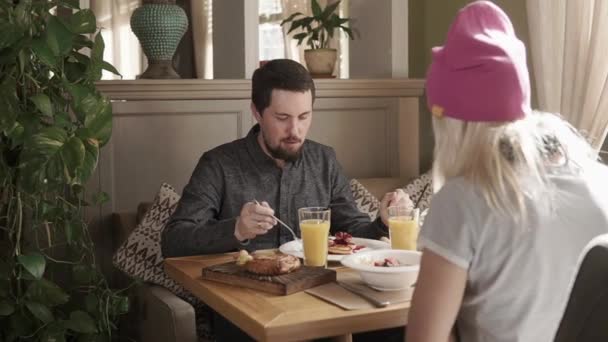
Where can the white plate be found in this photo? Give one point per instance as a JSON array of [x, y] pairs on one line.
[[295, 248]]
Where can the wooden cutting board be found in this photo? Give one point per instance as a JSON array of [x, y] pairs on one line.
[[301, 279]]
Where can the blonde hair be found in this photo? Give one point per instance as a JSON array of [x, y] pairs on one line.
[[508, 161]]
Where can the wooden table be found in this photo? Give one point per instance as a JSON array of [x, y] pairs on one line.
[[268, 317]]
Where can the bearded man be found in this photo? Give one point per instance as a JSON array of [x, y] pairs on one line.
[[238, 189]]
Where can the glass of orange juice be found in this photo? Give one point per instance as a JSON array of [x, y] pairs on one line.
[[403, 227], [314, 227]]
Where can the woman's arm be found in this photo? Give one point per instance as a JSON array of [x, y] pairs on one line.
[[436, 300]]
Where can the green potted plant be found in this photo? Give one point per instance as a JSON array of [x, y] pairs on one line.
[[53, 122], [317, 30]]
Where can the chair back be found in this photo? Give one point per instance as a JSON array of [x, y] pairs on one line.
[[586, 314]]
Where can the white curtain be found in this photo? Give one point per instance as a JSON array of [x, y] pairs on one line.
[[122, 47], [202, 37], [569, 40], [292, 50]]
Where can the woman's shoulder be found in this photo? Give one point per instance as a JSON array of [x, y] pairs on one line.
[[459, 192]]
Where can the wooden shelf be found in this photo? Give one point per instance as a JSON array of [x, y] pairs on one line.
[[194, 89]]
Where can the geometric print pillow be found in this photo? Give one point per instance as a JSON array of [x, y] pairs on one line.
[[140, 255], [366, 202], [420, 190]]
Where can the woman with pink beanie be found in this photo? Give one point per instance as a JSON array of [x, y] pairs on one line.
[[519, 194]]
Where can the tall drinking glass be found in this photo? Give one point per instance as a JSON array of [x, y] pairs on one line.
[[314, 227], [403, 227]]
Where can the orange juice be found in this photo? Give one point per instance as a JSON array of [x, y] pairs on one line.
[[314, 238], [403, 232]]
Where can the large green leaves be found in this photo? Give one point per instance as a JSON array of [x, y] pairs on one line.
[[8, 103], [43, 103], [81, 322], [82, 22], [73, 153], [59, 38], [46, 292], [55, 43], [52, 156], [52, 124], [40, 311], [10, 34], [44, 53], [94, 111], [34, 263], [89, 163], [96, 66]]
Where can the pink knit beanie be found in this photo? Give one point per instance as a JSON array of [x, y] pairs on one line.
[[480, 74]]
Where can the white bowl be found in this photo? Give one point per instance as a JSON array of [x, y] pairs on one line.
[[386, 278]]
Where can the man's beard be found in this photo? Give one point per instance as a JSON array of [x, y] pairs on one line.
[[281, 153]]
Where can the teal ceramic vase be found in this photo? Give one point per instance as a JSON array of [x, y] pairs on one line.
[[159, 25]]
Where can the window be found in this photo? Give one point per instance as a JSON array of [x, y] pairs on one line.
[[272, 42]]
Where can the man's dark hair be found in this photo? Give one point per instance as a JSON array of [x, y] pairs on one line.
[[284, 74]]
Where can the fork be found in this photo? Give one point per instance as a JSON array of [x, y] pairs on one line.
[[282, 223]]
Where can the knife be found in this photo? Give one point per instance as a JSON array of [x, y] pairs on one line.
[[378, 303]]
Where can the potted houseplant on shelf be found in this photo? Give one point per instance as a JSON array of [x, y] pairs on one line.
[[317, 31], [52, 124]]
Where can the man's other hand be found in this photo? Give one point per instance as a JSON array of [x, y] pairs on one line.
[[397, 197]]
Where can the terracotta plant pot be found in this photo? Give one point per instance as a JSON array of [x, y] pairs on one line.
[[320, 62]]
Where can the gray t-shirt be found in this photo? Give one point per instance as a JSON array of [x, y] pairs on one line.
[[519, 277], [238, 172]]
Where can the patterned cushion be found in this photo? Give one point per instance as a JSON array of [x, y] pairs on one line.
[[420, 190], [366, 202], [140, 256]]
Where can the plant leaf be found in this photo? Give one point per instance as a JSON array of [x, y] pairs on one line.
[[81, 41], [53, 332], [22, 16], [43, 103], [348, 31], [44, 52], [10, 34], [316, 9], [82, 21], [73, 4], [72, 153], [329, 9], [83, 274], [33, 263], [101, 198], [89, 163], [99, 123], [290, 18], [59, 38], [109, 67], [81, 322], [6, 308], [40, 311], [91, 303], [46, 292], [48, 142], [21, 324], [121, 305], [96, 65]]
